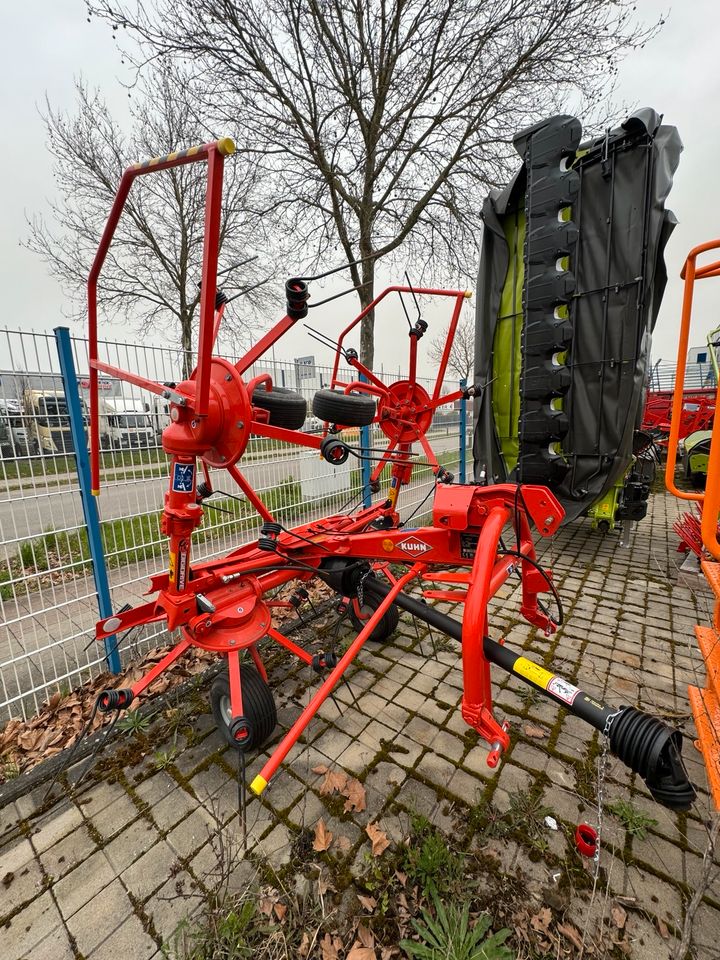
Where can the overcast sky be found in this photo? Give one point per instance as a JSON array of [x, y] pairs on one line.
[[44, 44]]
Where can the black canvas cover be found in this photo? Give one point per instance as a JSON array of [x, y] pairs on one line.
[[569, 288]]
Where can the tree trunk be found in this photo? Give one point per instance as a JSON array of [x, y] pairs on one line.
[[367, 327], [186, 341]]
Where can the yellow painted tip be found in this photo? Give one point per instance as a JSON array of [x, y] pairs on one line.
[[226, 146], [95, 493], [468, 294], [258, 785]]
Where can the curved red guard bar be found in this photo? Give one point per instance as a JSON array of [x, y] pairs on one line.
[[215, 154]]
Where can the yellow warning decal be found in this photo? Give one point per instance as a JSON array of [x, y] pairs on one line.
[[173, 566], [532, 672]]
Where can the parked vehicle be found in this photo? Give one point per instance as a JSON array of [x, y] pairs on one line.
[[13, 431], [159, 412], [126, 428], [694, 451], [47, 422]]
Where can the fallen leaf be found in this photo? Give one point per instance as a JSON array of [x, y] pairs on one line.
[[542, 920], [333, 782], [402, 877], [304, 948], [358, 952], [368, 902], [280, 911], [366, 936], [568, 930], [663, 929], [619, 916], [323, 837], [537, 733], [355, 793], [378, 839], [321, 769], [329, 947], [266, 906]]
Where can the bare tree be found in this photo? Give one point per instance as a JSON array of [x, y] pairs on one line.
[[150, 278], [383, 122], [462, 349]]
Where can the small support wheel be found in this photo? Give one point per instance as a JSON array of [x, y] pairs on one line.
[[286, 408], [259, 711], [347, 409], [387, 625]]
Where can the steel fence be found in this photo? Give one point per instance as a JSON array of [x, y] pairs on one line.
[[698, 376], [48, 598]]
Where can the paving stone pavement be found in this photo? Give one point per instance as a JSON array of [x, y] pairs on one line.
[[115, 865]]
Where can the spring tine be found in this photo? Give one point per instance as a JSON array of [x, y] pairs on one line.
[[84, 732], [242, 798], [350, 691], [417, 632], [98, 750], [432, 641]]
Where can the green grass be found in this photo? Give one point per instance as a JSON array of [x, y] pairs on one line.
[[634, 820], [132, 539], [41, 467], [429, 862], [449, 935]]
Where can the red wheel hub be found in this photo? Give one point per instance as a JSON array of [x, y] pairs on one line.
[[220, 437], [404, 414], [241, 618]]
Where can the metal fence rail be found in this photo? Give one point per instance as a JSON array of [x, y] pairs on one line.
[[48, 600], [698, 376]]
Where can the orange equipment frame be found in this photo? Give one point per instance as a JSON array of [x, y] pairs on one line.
[[705, 703]]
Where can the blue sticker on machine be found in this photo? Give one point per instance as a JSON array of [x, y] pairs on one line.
[[183, 477]]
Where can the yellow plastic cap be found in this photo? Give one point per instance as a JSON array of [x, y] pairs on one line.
[[468, 294], [226, 146], [258, 785], [95, 493]]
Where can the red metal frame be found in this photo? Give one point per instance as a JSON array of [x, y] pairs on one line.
[[220, 605], [696, 412]]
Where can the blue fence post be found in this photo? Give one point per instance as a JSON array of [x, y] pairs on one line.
[[463, 432], [89, 503], [365, 470]]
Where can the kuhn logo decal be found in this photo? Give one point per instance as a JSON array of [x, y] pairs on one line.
[[414, 547]]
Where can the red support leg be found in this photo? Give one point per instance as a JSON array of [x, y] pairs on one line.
[[328, 685], [177, 651]]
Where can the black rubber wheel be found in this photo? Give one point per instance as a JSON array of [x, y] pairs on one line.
[[258, 704], [385, 628], [286, 408], [347, 409]]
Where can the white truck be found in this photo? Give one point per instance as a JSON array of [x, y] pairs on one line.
[[124, 429], [47, 422]]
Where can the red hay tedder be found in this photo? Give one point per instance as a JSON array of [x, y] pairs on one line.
[[224, 605], [697, 413]]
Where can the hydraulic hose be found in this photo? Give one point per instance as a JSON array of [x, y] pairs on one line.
[[644, 743]]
